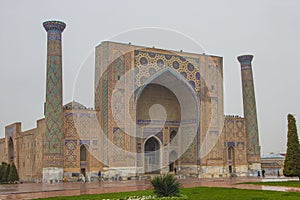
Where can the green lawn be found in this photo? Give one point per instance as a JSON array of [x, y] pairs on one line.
[[199, 193], [277, 183]]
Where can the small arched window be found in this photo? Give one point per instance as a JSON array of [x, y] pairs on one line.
[[83, 153], [230, 153]]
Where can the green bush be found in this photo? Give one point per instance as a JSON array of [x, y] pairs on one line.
[[292, 158], [2, 170], [13, 174], [6, 173], [166, 186]]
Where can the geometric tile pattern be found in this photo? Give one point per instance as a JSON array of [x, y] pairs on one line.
[[249, 105], [54, 109], [119, 141], [214, 112], [118, 97], [240, 129], [105, 116], [53, 106], [80, 129], [69, 125], [189, 157], [70, 153], [118, 106], [230, 126], [84, 125], [111, 65], [105, 107], [235, 137], [148, 63], [118, 66]]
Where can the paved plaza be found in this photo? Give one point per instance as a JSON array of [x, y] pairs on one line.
[[41, 190]]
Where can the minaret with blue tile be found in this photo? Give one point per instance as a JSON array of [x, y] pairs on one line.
[[53, 140], [250, 113]]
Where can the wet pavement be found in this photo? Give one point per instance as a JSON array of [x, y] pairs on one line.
[[41, 190]]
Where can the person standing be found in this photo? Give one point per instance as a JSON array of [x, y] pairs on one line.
[[64, 179], [82, 178], [99, 175]]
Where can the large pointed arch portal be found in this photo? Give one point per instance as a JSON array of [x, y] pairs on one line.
[[169, 90]]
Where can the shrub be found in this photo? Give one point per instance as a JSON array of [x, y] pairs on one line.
[[2, 171], [292, 159], [166, 186], [13, 174], [6, 173]]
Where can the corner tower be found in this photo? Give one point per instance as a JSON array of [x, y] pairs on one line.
[[253, 148], [53, 149]]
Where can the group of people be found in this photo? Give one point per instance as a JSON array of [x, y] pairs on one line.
[[263, 172], [83, 178]]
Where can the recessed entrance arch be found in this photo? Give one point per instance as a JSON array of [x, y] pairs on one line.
[[152, 158], [10, 150], [165, 104]]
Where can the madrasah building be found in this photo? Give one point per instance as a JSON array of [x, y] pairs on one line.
[[155, 111]]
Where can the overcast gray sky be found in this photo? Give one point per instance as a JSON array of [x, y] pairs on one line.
[[268, 29]]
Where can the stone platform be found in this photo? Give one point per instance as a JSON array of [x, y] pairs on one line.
[[42, 190]]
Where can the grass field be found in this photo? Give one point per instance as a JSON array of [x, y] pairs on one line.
[[278, 183], [199, 193]]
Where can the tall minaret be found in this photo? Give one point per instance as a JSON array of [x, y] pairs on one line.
[[253, 148], [53, 141]]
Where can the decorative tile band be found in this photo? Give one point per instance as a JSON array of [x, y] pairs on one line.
[[147, 63]]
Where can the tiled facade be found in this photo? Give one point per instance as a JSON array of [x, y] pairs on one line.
[[128, 133], [130, 79], [28, 145]]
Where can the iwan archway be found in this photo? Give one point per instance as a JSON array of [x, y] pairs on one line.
[[165, 104]]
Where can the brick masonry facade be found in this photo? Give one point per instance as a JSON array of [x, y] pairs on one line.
[[127, 133]]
